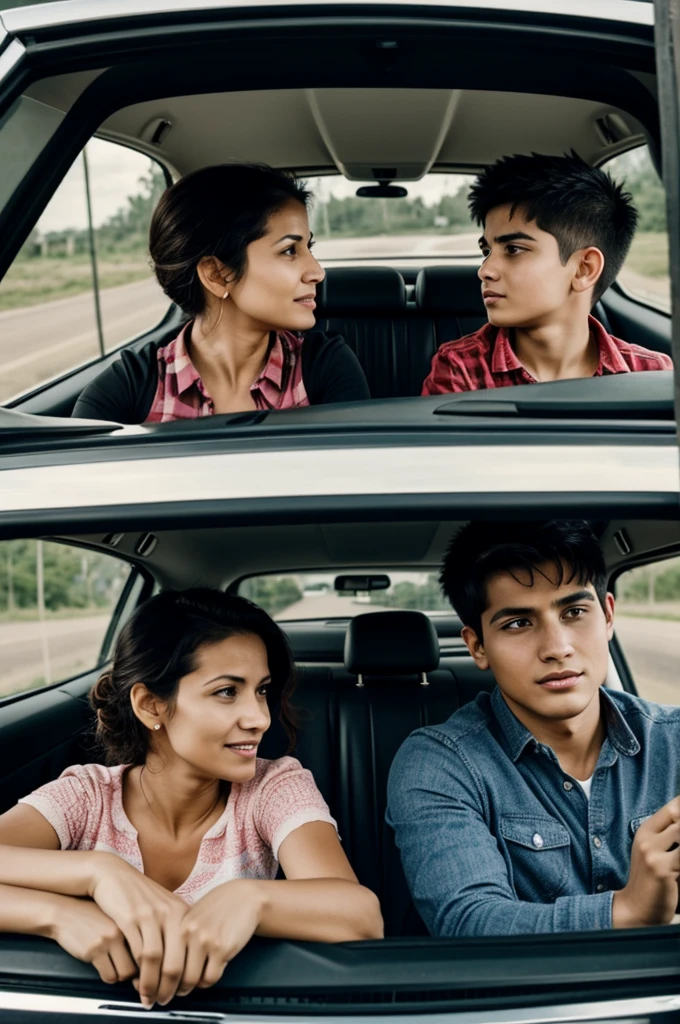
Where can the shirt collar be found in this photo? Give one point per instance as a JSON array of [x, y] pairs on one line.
[[504, 360], [516, 736], [611, 360], [178, 361]]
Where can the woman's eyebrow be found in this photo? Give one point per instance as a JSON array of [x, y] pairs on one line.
[[236, 679], [293, 238]]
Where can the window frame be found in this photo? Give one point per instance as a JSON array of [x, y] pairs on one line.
[[94, 290]]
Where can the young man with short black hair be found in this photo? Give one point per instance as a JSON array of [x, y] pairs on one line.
[[556, 232], [550, 805]]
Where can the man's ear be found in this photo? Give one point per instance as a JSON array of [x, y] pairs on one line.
[[588, 269], [609, 603], [475, 647]]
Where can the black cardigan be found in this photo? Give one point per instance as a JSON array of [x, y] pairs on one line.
[[124, 391]]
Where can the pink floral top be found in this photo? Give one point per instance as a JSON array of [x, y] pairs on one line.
[[181, 393], [84, 806]]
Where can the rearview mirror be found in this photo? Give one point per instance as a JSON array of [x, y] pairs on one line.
[[353, 584]]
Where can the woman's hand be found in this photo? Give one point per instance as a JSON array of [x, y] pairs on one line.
[[85, 931], [149, 917], [216, 928]]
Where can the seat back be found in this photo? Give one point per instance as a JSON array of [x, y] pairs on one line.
[[367, 306]]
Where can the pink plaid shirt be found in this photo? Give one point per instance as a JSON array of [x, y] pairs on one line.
[[486, 359], [181, 394]]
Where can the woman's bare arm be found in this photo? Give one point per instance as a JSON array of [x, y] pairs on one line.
[[321, 899]]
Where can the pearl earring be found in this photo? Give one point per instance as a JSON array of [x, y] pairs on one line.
[[157, 726], [225, 295]]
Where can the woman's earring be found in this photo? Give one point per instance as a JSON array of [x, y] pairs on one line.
[[157, 726], [225, 295]]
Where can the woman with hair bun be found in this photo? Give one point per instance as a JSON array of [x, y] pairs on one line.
[[231, 246], [161, 867]]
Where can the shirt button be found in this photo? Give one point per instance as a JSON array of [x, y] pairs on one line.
[[537, 840], [600, 888], [568, 786], [597, 842]]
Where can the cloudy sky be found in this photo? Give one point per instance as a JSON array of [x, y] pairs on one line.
[[115, 172]]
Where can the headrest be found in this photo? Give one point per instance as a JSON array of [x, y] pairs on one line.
[[450, 290], [368, 290], [394, 643]]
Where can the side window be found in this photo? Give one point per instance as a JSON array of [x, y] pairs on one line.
[[81, 284], [57, 603], [648, 628], [645, 273]]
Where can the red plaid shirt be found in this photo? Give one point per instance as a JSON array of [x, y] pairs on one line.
[[181, 393], [486, 359]]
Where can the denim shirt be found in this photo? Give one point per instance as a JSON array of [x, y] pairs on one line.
[[496, 839]]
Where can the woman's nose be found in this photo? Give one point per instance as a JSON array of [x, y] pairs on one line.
[[314, 271]]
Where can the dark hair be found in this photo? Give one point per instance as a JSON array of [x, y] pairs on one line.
[[580, 205], [158, 646], [481, 549], [216, 211]]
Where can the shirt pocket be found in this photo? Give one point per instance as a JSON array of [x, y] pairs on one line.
[[636, 822], [540, 852]]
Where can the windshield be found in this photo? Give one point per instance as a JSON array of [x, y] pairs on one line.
[[312, 595], [432, 221]]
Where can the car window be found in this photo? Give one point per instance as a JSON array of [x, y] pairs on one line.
[[645, 272], [81, 284], [648, 628], [313, 596], [57, 604], [432, 221]]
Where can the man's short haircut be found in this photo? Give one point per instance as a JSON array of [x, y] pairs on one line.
[[580, 205], [482, 549]]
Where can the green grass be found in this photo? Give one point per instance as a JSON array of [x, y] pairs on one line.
[[32, 282], [649, 254], [31, 614]]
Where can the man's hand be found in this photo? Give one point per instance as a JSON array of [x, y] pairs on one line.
[[650, 896]]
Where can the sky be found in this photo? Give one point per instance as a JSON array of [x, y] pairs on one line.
[[115, 172]]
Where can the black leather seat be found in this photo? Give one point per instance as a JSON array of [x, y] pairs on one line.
[[367, 306], [452, 297], [352, 720]]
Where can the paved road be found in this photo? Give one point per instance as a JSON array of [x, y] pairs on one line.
[[40, 342], [69, 645], [652, 648]]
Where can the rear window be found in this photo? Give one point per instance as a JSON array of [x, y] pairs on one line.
[[296, 596], [431, 222]]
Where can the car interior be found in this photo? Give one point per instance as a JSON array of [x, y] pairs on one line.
[[394, 311], [375, 99], [365, 680]]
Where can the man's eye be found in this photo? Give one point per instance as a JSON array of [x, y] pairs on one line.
[[516, 624], [485, 251], [575, 613], [513, 250]]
